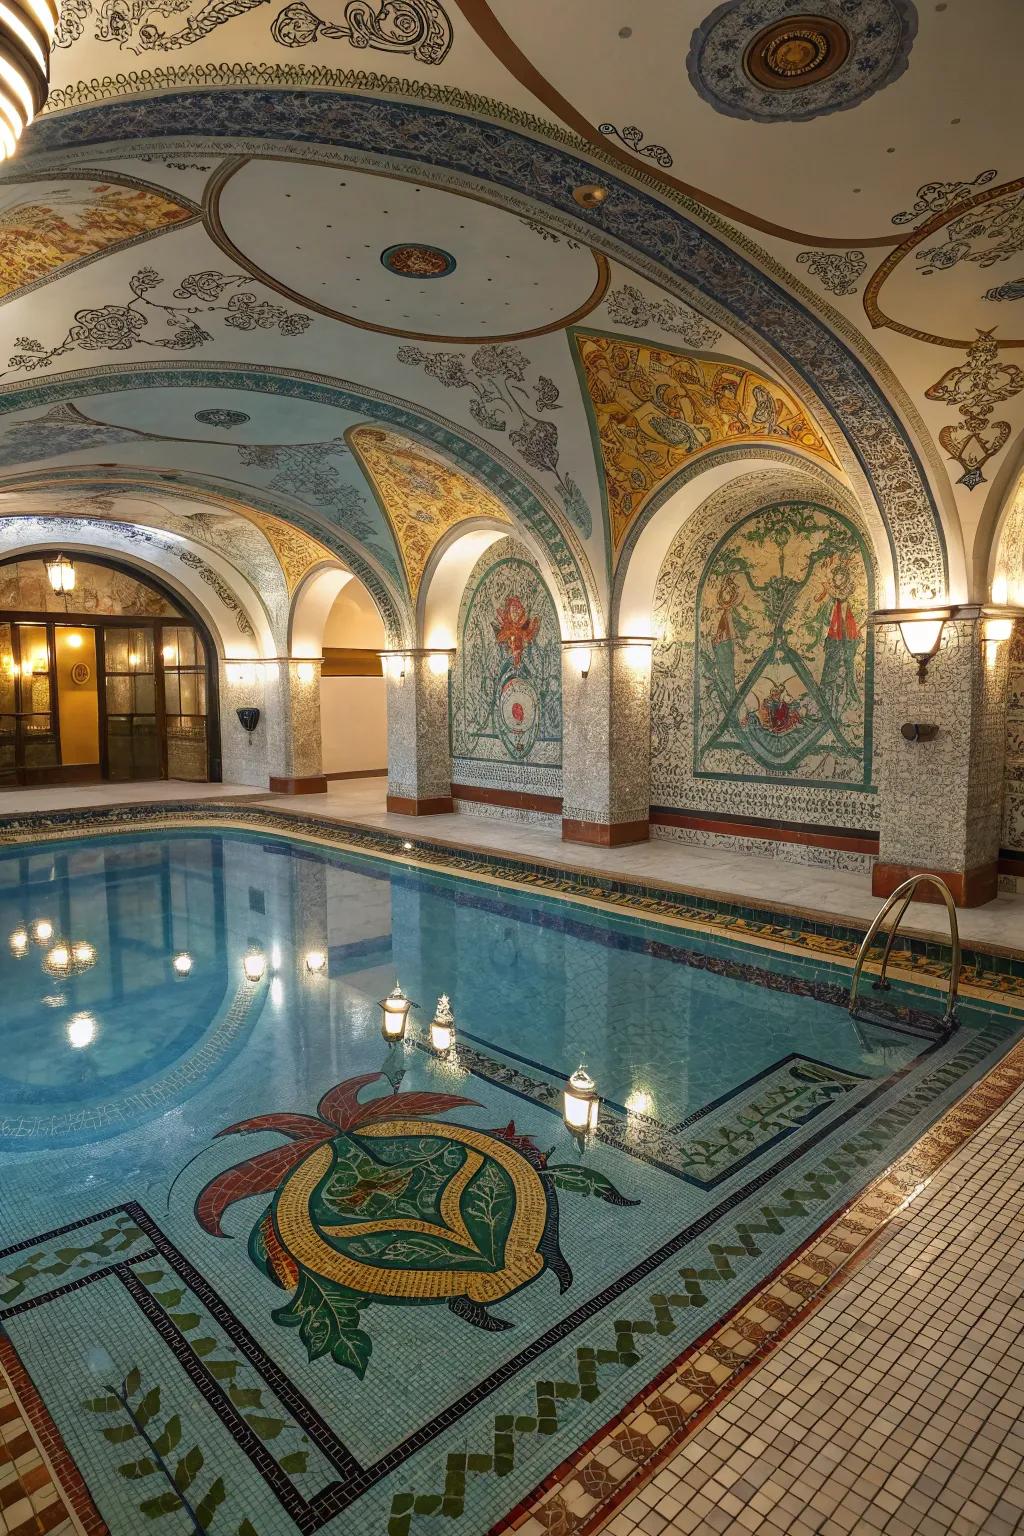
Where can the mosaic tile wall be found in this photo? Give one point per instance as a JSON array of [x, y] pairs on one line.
[[797, 743], [941, 801], [419, 757], [1013, 810], [506, 684]]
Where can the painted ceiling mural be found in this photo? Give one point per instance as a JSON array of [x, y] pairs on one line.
[[654, 409], [422, 496], [419, 220], [98, 589]]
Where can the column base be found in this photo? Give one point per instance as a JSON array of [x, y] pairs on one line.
[[315, 785], [969, 888], [605, 834], [409, 805]]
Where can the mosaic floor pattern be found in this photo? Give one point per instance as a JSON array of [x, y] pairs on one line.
[[334, 1284]]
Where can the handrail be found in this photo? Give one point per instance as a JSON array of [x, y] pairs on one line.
[[906, 891]]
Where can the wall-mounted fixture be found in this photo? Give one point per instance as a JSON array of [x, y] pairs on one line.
[[579, 656], [918, 732], [995, 630], [60, 571], [589, 195], [438, 661], [305, 671], [922, 635], [248, 718]]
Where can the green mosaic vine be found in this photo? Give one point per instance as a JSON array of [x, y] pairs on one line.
[[112, 1241]]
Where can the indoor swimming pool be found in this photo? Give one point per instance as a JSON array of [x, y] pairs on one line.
[[269, 1271]]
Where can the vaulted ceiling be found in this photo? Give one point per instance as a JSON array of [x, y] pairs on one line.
[[337, 273]]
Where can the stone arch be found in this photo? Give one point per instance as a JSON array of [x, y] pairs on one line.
[[712, 752], [1006, 559], [641, 227], [689, 492]]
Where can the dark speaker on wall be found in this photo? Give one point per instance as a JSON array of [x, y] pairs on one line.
[[248, 718]]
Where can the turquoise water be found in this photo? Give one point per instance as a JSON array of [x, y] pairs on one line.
[[458, 1246]]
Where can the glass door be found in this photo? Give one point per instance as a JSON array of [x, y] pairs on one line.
[[8, 707], [132, 705], [184, 665], [74, 649], [39, 745]]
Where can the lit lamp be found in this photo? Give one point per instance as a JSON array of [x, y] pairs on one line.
[[254, 965], [395, 1009], [581, 1101], [437, 661], [61, 571], [996, 630], [442, 1025], [394, 664], [305, 671], [182, 963], [580, 657], [921, 636], [316, 961]]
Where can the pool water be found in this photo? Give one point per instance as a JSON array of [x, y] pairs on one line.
[[265, 1267]]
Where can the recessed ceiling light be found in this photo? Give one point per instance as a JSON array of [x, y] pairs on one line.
[[625, 31], [589, 196]]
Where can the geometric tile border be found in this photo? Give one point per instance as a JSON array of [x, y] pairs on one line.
[[584, 1492], [40, 1487]]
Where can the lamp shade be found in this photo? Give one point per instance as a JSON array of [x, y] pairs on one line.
[[60, 571], [442, 1025], [580, 1101], [922, 634], [395, 1010]]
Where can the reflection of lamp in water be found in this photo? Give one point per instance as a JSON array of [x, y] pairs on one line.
[[581, 1101], [18, 942], [316, 961], [81, 1030], [83, 953], [395, 1009], [58, 959], [182, 963], [442, 1025], [42, 930], [254, 965], [639, 1102]]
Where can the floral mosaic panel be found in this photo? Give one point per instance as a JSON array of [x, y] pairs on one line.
[[653, 409], [782, 681], [421, 495], [506, 705]]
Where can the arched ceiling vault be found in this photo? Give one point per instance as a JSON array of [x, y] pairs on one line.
[[801, 255]]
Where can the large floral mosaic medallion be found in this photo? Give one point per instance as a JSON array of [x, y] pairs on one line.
[[770, 61], [374, 1201]]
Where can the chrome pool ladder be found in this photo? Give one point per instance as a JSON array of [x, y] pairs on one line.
[[905, 893]]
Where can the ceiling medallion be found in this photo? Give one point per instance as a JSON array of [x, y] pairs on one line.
[[791, 54], [217, 416], [757, 60], [417, 261]]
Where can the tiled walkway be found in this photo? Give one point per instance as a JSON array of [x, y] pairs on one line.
[[898, 1406]]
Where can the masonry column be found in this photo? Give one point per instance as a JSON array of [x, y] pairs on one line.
[[606, 741], [293, 737], [419, 745], [941, 800]]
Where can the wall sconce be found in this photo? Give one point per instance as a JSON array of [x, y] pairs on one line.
[[442, 1025], [922, 635], [437, 661], [316, 961], [305, 671], [248, 718], [580, 1101], [61, 574], [994, 631], [395, 1009], [254, 965], [580, 657], [914, 731], [393, 663]]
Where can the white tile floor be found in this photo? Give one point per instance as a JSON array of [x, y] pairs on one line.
[[898, 1406]]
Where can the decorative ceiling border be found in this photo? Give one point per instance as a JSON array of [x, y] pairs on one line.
[[568, 559], [546, 173]]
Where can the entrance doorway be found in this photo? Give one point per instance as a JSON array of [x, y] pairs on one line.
[[84, 699]]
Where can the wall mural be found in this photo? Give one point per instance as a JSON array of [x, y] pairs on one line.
[[118, 327], [421, 496], [653, 408], [632, 310], [506, 690], [504, 401], [419, 28], [50, 229], [783, 669], [24, 585]]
